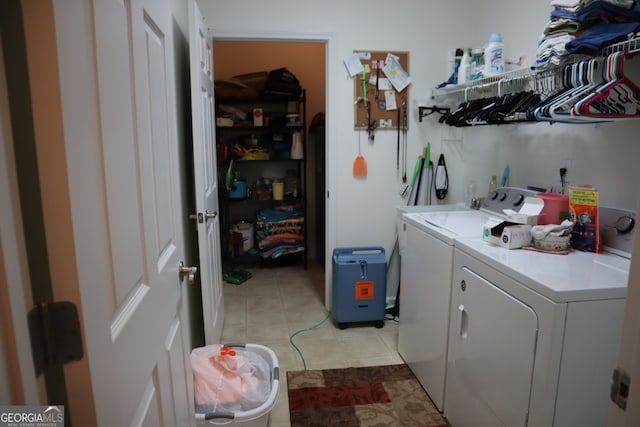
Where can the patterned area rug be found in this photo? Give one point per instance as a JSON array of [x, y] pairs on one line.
[[376, 396]]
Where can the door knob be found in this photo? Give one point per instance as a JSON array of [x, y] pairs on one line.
[[189, 272], [202, 217]]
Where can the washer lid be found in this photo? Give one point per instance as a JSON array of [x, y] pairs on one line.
[[448, 226], [577, 276], [463, 224]]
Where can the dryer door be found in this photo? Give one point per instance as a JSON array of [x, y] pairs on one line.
[[491, 355]]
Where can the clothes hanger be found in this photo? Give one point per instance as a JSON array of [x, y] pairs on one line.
[[619, 99], [579, 80], [588, 78], [612, 73], [540, 113]]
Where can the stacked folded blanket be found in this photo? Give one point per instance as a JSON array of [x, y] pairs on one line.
[[585, 27], [280, 231]]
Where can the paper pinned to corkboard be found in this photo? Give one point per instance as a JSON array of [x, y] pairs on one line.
[[383, 80]]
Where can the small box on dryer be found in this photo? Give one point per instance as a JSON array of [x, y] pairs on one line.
[[528, 213], [507, 234]]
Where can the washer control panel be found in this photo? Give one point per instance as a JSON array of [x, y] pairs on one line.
[[617, 226]]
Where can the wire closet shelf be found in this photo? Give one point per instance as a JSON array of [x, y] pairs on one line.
[[544, 81]]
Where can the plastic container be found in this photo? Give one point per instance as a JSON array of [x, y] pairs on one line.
[[472, 195], [464, 71], [556, 208], [493, 184], [257, 417], [278, 190], [297, 151], [238, 190], [246, 229], [477, 64], [293, 119], [494, 56]]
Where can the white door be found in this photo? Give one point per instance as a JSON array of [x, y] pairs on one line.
[[492, 343], [205, 174], [105, 128]]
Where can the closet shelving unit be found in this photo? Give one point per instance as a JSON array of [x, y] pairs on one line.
[[544, 81], [276, 164]]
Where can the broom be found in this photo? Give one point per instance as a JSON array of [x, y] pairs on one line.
[[360, 164]]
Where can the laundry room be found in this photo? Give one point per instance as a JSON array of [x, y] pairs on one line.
[[472, 158], [388, 213], [599, 154]]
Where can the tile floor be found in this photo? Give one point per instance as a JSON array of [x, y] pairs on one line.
[[277, 302]]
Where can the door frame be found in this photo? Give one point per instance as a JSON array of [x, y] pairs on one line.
[[16, 362], [331, 162]]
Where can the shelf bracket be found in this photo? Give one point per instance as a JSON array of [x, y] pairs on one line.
[[427, 111]]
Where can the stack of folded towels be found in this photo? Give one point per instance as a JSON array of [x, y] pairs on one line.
[[279, 231], [585, 27]]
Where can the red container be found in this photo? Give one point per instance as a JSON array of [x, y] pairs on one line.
[[556, 208]]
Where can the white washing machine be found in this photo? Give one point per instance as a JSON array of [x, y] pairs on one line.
[[426, 242], [534, 337]]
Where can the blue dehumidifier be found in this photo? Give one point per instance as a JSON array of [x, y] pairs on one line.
[[359, 285]]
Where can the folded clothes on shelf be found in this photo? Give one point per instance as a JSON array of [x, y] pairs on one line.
[[280, 231]]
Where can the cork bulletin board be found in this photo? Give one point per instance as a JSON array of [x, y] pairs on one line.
[[386, 81]]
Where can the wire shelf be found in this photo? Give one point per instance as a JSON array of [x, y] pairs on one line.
[[545, 81], [520, 79], [632, 46]]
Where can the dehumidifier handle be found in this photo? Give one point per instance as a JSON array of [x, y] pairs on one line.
[[363, 269]]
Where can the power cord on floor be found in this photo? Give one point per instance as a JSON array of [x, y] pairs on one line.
[[391, 318], [311, 328]]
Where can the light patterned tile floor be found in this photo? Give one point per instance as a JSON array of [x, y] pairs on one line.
[[278, 302]]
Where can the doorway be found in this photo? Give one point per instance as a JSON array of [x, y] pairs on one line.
[[307, 61]]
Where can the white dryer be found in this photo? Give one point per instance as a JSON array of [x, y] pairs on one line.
[[426, 242], [534, 337]]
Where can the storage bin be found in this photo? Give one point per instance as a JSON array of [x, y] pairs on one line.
[[556, 208], [359, 285], [257, 417]]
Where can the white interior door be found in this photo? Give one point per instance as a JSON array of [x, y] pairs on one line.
[[109, 179], [205, 174]]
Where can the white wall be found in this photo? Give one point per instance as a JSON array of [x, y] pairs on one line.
[[365, 209]]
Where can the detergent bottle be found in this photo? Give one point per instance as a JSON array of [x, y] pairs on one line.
[[464, 71], [494, 55]]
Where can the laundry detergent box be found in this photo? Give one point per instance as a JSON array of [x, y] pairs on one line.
[[583, 210], [506, 234]]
